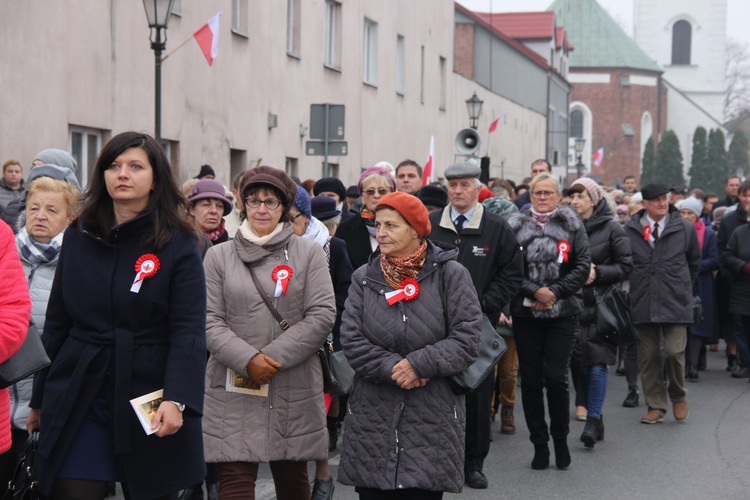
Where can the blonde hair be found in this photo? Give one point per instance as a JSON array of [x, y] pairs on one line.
[[187, 186], [380, 181], [49, 185], [545, 176]]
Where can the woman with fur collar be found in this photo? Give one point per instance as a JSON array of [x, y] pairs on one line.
[[545, 313]]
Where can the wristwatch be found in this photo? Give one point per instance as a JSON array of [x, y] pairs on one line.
[[180, 406]]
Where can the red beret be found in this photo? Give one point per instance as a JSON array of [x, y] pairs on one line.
[[410, 208]]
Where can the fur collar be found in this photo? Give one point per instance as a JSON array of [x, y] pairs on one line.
[[559, 227]]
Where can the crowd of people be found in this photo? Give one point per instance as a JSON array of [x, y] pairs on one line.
[[220, 299]]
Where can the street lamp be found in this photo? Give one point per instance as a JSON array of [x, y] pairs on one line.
[[474, 106], [580, 142], [158, 13]]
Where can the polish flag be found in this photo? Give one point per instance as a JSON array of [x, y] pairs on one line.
[[598, 157], [427, 171], [493, 125], [208, 38]]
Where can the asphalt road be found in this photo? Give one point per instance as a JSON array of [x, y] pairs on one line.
[[705, 457]]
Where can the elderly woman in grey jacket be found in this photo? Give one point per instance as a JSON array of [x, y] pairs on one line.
[[264, 385], [404, 426]]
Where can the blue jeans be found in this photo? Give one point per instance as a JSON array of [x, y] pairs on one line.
[[594, 386]]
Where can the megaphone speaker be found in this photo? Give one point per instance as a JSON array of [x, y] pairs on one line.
[[467, 141]]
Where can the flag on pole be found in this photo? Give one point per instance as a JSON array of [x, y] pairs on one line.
[[493, 125], [598, 156], [208, 38], [427, 171]]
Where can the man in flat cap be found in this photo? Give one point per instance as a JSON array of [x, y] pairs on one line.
[[488, 248], [666, 262]]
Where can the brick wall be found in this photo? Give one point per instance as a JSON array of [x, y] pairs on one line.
[[463, 57]]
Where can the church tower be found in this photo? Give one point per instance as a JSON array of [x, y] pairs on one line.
[[688, 39]]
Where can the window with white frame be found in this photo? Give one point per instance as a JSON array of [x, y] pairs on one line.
[[332, 35], [239, 17], [293, 22], [443, 77], [291, 166], [400, 64], [84, 145], [370, 56]]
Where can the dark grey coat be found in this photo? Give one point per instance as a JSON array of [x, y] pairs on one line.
[[735, 257], [661, 284], [398, 438], [610, 253], [540, 257]]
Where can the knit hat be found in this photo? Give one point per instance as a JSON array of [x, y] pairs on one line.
[[54, 172], [55, 157], [271, 176], [693, 204], [323, 208], [205, 170], [302, 202], [485, 194], [352, 191], [410, 208], [331, 185], [376, 170], [210, 189], [433, 195], [595, 190]]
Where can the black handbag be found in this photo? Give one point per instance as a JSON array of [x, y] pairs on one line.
[[697, 310], [343, 371], [22, 486], [330, 384], [613, 319], [29, 359], [491, 349]]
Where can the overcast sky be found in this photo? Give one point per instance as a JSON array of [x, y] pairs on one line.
[[621, 10]]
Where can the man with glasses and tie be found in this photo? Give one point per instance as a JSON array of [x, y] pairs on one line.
[[488, 248], [666, 262]]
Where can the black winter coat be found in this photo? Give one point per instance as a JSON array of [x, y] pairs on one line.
[[610, 253], [357, 239], [540, 256], [735, 257], [106, 341]]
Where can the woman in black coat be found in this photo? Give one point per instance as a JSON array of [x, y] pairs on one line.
[[736, 259], [611, 263], [126, 317]]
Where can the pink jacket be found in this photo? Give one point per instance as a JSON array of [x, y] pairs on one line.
[[15, 308]]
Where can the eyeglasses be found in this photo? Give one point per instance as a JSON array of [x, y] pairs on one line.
[[543, 194], [270, 203], [294, 217], [380, 191]]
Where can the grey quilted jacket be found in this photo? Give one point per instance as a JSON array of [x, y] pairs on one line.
[[397, 438]]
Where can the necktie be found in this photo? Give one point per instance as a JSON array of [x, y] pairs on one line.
[[460, 221], [655, 233]]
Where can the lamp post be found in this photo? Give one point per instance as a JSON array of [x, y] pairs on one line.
[[474, 107], [580, 142], [158, 13]]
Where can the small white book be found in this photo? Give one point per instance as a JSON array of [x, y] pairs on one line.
[[146, 407], [241, 384]]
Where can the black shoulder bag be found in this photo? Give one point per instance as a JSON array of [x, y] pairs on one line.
[[22, 486]]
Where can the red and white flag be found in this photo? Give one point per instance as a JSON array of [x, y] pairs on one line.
[[208, 38], [429, 167], [598, 157], [493, 125]]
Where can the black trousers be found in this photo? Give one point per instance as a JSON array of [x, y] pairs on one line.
[[544, 348], [478, 408], [406, 494]]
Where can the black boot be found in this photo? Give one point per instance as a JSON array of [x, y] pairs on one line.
[[194, 493], [213, 491], [632, 400], [562, 453], [732, 362], [593, 432], [702, 359], [541, 457], [333, 432]]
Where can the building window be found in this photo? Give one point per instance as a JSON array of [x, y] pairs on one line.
[[681, 39], [333, 170], [442, 76], [291, 166], [172, 151], [293, 22], [85, 144], [576, 123], [237, 162], [332, 56], [239, 17], [400, 64], [370, 55]]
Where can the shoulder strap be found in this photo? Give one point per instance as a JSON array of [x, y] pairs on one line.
[[443, 301], [282, 322]]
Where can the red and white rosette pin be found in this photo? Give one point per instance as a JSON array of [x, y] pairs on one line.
[[647, 233], [145, 267], [409, 291], [563, 247], [281, 275]]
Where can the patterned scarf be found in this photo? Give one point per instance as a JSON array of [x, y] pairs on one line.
[[369, 219], [216, 233], [542, 219], [397, 269], [36, 253], [317, 232]]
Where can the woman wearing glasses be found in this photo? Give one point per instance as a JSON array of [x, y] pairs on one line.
[[545, 313], [359, 231], [264, 385]]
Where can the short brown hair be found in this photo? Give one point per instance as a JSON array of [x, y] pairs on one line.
[[12, 162]]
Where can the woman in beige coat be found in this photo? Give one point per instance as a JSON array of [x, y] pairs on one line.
[[264, 386]]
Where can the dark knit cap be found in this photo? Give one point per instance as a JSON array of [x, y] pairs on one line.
[[331, 185], [433, 195], [205, 170], [352, 191], [302, 201]]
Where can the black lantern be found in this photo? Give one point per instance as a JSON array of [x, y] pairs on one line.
[[474, 107], [580, 143], [158, 13]]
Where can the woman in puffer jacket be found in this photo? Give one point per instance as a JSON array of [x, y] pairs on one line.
[[611, 263]]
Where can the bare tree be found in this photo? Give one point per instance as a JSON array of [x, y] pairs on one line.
[[737, 99]]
